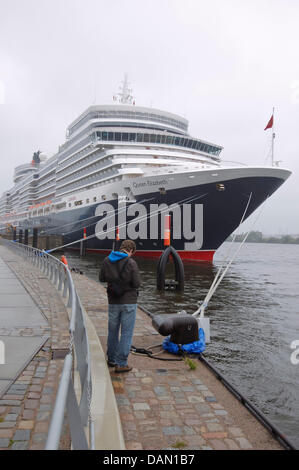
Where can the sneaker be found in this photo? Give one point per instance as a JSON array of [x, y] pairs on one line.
[[119, 369], [110, 364]]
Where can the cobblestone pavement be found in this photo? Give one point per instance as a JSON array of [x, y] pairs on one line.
[[166, 405], [26, 407]]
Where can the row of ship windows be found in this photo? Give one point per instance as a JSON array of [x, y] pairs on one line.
[[60, 206], [78, 156], [87, 161], [90, 168], [47, 168], [80, 202], [33, 184], [39, 188], [63, 205], [157, 139], [92, 185], [87, 180], [121, 125], [64, 153], [129, 115]]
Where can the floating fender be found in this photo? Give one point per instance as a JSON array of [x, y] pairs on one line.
[[179, 269]]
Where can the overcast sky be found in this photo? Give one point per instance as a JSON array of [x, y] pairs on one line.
[[221, 64]]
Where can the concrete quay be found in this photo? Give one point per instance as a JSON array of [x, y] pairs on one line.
[[33, 324], [161, 405], [166, 405]]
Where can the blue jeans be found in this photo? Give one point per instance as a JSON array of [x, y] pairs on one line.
[[121, 319]]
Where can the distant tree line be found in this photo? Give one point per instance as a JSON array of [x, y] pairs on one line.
[[257, 237]]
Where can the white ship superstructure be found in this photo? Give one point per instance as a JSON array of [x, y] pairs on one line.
[[122, 151], [106, 144]]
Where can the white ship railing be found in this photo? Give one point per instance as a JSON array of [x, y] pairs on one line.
[[78, 411]]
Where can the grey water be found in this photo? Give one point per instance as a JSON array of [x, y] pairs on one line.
[[254, 316]]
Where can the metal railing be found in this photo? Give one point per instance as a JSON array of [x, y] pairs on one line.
[[78, 412]]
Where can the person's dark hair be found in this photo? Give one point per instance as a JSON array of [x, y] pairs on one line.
[[128, 245]]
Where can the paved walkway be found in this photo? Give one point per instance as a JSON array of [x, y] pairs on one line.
[[33, 323], [18, 314], [165, 405]]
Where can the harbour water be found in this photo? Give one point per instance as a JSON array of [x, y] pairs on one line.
[[254, 318]]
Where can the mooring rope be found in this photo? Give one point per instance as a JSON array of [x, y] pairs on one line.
[[220, 275], [230, 248]]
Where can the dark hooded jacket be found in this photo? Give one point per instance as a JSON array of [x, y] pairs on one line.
[[130, 276]]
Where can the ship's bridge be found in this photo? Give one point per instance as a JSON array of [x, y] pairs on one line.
[[128, 116]]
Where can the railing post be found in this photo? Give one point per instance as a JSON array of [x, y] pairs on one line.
[[71, 295], [65, 284], [60, 404], [55, 275], [59, 278], [51, 270]]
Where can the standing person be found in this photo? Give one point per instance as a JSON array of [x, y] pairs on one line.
[[121, 273]]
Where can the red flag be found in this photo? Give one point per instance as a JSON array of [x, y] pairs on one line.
[[270, 123]]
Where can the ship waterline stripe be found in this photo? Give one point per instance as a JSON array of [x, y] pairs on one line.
[[200, 255]]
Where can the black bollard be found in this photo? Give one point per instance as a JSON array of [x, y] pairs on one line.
[[83, 243], [183, 328], [35, 238], [82, 248], [116, 242]]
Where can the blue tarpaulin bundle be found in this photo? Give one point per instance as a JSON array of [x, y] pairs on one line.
[[196, 347]]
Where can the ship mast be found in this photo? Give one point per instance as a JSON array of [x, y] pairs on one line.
[[272, 143], [125, 96], [270, 125]]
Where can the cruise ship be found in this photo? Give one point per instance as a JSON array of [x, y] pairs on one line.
[[124, 167]]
